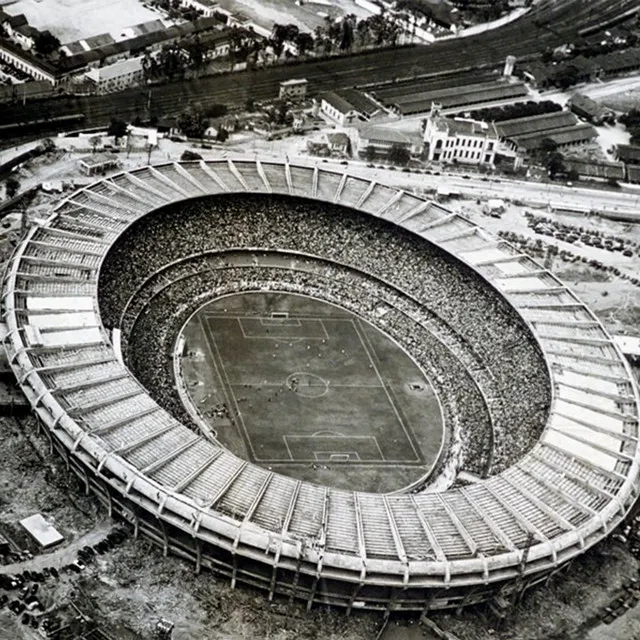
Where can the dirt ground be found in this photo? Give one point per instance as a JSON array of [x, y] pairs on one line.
[[75, 19], [306, 15], [629, 99]]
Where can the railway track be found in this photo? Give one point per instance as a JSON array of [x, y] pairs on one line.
[[549, 24]]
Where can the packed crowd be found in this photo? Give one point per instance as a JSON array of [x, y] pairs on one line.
[[437, 301], [152, 337]]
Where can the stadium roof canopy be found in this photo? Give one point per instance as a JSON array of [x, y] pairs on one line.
[[578, 482]]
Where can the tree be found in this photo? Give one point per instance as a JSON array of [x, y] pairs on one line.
[[305, 42], [95, 141], [46, 43], [346, 38], [631, 118], [566, 76], [216, 110], [11, 187], [370, 153], [222, 135], [554, 163], [171, 61], [117, 129], [398, 154], [196, 53], [192, 122]]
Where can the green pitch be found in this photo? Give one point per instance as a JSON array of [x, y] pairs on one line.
[[309, 390]]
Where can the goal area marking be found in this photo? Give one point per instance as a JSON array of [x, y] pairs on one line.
[[333, 447]]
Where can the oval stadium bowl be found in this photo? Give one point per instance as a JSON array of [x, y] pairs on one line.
[[540, 412]]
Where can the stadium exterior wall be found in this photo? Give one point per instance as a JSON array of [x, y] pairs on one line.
[[244, 552]]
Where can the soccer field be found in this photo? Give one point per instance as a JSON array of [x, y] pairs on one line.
[[312, 391]]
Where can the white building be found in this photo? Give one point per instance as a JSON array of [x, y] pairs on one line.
[[382, 139], [459, 140], [117, 76], [349, 106], [294, 89], [207, 7], [36, 68]]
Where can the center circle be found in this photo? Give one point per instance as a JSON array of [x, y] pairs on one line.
[[309, 389], [307, 385]]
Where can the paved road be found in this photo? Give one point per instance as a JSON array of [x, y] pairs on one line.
[[558, 196]]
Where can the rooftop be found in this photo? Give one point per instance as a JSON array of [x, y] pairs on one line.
[[44, 534], [98, 159], [338, 138], [465, 127], [568, 135], [628, 153], [346, 100], [535, 124], [94, 42], [293, 82], [595, 169], [459, 96], [588, 105]]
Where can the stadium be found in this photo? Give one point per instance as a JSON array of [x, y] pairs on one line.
[[535, 457]]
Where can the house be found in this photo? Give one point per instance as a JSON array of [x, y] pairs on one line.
[[334, 144], [510, 131], [616, 62], [20, 31], [12, 24], [25, 61], [98, 163], [116, 76], [382, 139], [294, 89], [339, 144], [595, 170], [216, 44], [590, 110], [628, 153], [348, 106], [207, 7], [459, 140], [244, 22], [633, 173]]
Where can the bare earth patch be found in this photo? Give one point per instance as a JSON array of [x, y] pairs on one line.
[[75, 19]]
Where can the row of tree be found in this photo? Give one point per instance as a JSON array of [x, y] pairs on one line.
[[517, 110]]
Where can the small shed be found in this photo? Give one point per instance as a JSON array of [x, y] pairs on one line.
[[493, 205], [294, 89], [41, 531], [97, 163]]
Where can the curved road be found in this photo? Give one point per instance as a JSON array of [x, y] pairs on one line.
[[548, 24]]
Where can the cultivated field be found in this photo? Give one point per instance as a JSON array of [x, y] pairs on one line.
[[312, 391], [75, 19], [306, 15]]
